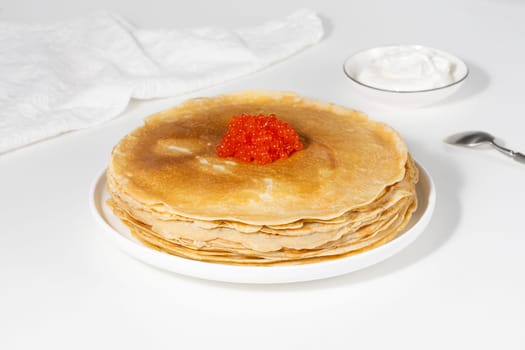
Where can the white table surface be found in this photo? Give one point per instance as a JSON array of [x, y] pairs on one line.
[[461, 285]]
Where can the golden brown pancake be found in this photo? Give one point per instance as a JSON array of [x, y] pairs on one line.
[[351, 187]]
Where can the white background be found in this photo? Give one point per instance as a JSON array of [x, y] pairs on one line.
[[461, 285]]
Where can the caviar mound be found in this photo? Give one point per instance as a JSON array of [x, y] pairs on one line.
[[258, 138]]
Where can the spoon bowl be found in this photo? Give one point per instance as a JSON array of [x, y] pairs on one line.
[[471, 139]]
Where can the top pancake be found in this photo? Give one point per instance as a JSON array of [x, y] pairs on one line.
[[170, 162]]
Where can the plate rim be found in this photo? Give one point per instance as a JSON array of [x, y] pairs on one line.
[[250, 274]]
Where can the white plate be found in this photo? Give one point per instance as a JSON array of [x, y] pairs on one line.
[[119, 233]]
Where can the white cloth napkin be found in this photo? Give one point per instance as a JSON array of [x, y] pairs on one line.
[[75, 74]]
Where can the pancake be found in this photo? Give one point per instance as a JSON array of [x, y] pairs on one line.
[[351, 187]]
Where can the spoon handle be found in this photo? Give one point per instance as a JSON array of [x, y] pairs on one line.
[[519, 157]]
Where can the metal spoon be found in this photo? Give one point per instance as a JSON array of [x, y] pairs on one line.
[[477, 138]]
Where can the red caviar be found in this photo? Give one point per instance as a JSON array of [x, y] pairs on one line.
[[258, 138]]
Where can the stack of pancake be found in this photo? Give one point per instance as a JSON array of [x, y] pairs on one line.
[[350, 189]]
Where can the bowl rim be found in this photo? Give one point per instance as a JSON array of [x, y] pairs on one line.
[[456, 82]]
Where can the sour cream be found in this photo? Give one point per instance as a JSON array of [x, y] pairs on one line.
[[406, 68]]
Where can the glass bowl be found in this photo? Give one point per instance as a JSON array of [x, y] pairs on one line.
[[403, 94]]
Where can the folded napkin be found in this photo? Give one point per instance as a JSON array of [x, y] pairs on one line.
[[75, 74]]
